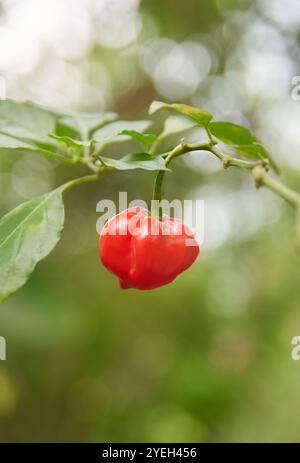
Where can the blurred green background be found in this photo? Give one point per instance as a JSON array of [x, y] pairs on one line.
[[207, 358]]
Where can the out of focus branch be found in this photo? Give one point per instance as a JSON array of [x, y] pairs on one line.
[[259, 170]]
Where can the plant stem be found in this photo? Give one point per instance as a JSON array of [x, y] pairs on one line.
[[258, 170], [228, 160], [177, 151], [211, 139], [262, 179], [85, 179]]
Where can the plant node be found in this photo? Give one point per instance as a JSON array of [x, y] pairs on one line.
[[258, 174], [226, 162], [183, 145], [266, 164]]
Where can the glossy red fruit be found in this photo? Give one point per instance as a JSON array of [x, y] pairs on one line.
[[144, 252]]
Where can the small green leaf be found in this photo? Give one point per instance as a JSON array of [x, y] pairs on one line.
[[254, 150], [72, 142], [135, 161], [25, 120], [176, 124], [258, 151], [241, 140], [144, 138], [231, 134], [198, 115], [85, 123], [11, 144], [28, 234], [24, 127], [110, 132]]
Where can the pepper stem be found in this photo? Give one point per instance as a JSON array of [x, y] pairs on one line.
[[157, 191]]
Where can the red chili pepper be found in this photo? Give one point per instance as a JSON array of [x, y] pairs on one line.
[[144, 252]]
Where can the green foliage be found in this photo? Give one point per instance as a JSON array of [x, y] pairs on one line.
[[71, 142], [144, 138], [84, 124], [24, 127], [8, 142], [30, 232], [27, 235], [25, 120], [135, 161], [241, 140], [177, 124], [231, 134], [199, 115], [256, 150], [110, 133]]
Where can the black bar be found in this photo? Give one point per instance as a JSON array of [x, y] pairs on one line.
[[95, 452]]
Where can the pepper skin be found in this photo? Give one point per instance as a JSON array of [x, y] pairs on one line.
[[143, 252]]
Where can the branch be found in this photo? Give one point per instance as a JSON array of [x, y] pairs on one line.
[[259, 173], [262, 179], [258, 170]]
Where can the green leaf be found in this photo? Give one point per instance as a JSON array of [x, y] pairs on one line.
[[25, 120], [135, 161], [144, 138], [241, 140], [231, 134], [8, 143], [61, 130], [176, 124], [110, 132], [25, 127], [258, 151], [72, 142], [85, 123], [198, 115], [28, 234]]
